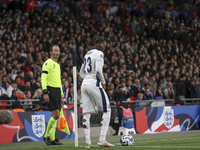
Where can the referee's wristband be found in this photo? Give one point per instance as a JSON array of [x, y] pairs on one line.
[[45, 91]]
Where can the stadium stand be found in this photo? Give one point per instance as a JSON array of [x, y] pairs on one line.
[[153, 43]]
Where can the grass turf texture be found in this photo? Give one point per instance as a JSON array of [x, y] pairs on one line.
[[162, 141]]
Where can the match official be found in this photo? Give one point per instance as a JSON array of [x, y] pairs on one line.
[[52, 88]]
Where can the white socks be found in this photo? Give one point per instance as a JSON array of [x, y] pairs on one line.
[[86, 127], [104, 125]]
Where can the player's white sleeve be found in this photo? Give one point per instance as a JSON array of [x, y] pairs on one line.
[[82, 74], [99, 69]]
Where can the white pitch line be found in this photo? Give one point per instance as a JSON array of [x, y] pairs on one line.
[[189, 147], [168, 140]]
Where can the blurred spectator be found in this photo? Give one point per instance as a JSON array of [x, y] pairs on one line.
[[181, 89], [44, 105], [124, 87], [26, 71], [121, 94], [79, 81], [16, 106], [157, 77], [34, 86], [71, 95], [66, 91], [20, 95], [36, 74], [14, 95], [159, 94], [194, 90], [30, 75], [178, 102], [163, 80], [110, 94], [13, 73], [116, 82], [37, 94], [148, 95], [4, 82], [169, 91], [27, 86], [28, 105], [139, 98], [153, 83], [21, 75], [3, 93], [136, 87], [38, 107], [86, 12], [13, 86], [129, 85], [17, 80], [39, 60]]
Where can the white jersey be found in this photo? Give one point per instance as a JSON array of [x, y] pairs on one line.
[[92, 68], [94, 97]]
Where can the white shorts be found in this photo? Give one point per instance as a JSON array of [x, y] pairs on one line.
[[94, 99]]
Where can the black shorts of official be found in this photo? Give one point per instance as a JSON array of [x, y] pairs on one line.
[[54, 98]]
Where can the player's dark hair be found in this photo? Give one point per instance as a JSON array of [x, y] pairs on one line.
[[91, 43], [51, 47], [95, 39]]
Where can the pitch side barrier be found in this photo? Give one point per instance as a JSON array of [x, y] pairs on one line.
[[30, 126], [95, 118], [168, 102], [7, 104], [189, 101]]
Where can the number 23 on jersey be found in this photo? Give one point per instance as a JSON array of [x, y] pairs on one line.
[[87, 65]]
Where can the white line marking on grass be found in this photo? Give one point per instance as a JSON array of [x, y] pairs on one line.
[[168, 140], [171, 146], [189, 147], [92, 144], [119, 145]]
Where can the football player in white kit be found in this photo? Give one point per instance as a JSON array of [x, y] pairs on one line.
[[94, 97]]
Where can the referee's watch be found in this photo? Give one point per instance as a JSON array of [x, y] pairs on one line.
[[45, 91]]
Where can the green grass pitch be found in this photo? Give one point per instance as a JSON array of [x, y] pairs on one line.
[[185, 140]]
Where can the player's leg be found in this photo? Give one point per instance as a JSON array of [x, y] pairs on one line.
[[105, 121], [88, 107], [101, 100], [104, 125], [86, 130]]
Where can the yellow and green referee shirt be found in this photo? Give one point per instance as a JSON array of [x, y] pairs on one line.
[[51, 75]]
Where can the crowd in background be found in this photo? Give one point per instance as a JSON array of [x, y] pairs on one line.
[[148, 56]]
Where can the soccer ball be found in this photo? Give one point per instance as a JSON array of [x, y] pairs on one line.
[[126, 140]]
